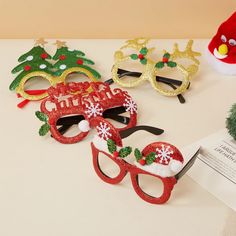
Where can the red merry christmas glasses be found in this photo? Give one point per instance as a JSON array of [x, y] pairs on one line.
[[160, 161], [73, 105]]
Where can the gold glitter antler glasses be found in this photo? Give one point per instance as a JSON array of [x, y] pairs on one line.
[[156, 71]]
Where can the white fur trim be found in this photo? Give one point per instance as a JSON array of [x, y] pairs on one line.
[[84, 126], [176, 166], [158, 169], [100, 144], [218, 55], [220, 66]]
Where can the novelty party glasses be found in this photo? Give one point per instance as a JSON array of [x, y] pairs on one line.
[[74, 104], [155, 71], [38, 66], [161, 161]]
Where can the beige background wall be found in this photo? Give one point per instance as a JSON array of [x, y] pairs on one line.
[[112, 18]]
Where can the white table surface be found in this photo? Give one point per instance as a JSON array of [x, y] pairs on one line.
[[51, 189]]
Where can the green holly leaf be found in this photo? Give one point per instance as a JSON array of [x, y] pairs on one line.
[[137, 154], [144, 61], [44, 129], [150, 158], [159, 65], [124, 152], [166, 55], [171, 64], [144, 51], [41, 116], [134, 56], [111, 145]]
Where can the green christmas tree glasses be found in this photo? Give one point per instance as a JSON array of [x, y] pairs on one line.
[[55, 69]]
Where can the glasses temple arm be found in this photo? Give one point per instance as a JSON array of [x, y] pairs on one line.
[[122, 73], [121, 119], [62, 130], [188, 165], [150, 129], [180, 96]]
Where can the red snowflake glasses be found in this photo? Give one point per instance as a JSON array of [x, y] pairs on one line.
[[161, 161], [74, 104]]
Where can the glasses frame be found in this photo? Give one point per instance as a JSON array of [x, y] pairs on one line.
[[149, 74], [55, 116], [125, 168], [150, 71], [53, 80], [133, 170]]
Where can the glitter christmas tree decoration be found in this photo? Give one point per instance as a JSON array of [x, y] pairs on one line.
[[38, 63], [72, 61], [34, 63], [151, 69], [161, 160], [221, 51], [77, 103]]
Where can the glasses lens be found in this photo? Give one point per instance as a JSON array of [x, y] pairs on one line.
[[117, 116], [170, 79], [68, 126], [130, 70], [150, 185], [108, 166], [76, 77], [36, 83]]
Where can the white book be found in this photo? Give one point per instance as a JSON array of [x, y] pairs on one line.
[[215, 167]]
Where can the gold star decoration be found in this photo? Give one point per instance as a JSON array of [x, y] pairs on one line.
[[60, 44], [40, 41]]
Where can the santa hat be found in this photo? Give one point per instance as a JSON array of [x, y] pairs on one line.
[[105, 130], [168, 159], [221, 51]]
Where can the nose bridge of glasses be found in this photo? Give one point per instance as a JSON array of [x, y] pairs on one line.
[[129, 167], [149, 70]]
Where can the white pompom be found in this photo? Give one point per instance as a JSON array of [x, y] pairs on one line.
[[176, 166], [84, 126]]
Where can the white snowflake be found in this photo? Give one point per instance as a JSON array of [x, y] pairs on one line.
[[103, 131], [164, 154], [130, 105], [93, 110]]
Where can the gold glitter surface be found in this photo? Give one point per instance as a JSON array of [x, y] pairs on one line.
[[53, 80], [150, 72]]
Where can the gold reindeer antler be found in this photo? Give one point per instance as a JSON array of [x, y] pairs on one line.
[[136, 43], [187, 53]]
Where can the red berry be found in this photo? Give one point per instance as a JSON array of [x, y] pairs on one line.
[[165, 59], [115, 154], [27, 67], [142, 162], [62, 57], [80, 62], [44, 55], [140, 56]]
